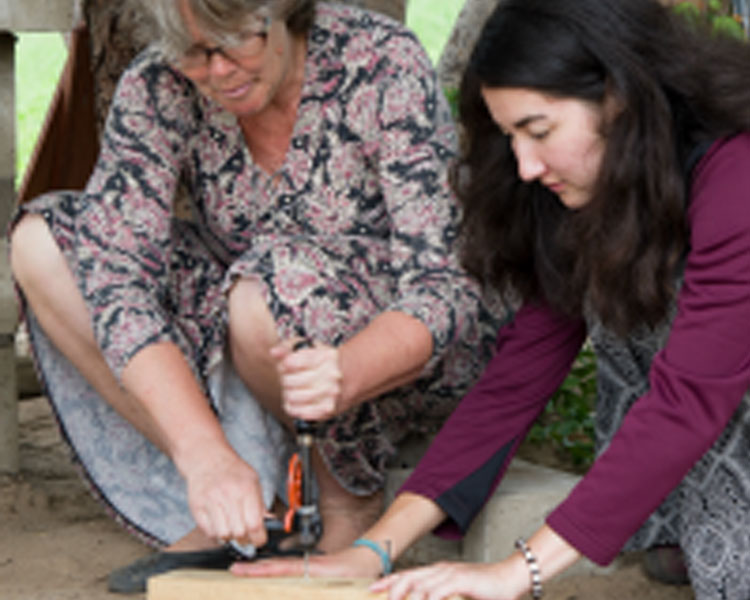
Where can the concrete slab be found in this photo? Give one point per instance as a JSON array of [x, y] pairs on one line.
[[518, 507], [527, 494]]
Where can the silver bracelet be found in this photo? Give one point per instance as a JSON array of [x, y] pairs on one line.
[[536, 574]]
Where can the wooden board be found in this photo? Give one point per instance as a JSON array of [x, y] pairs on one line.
[[188, 584], [220, 585]]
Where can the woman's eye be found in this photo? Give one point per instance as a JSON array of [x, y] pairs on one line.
[[539, 135], [194, 51]]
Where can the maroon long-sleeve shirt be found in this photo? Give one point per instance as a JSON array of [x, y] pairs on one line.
[[696, 383]]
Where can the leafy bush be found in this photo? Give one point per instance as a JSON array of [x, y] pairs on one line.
[[719, 18], [567, 422], [451, 94]]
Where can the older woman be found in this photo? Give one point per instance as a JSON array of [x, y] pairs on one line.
[[313, 145]]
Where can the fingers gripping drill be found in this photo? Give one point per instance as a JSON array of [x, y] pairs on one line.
[[303, 515], [302, 518]]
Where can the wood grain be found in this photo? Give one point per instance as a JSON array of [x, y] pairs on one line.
[[188, 584]]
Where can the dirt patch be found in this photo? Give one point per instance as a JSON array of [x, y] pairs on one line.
[[56, 542]]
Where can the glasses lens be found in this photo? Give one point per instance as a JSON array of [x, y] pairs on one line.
[[194, 57], [237, 47]]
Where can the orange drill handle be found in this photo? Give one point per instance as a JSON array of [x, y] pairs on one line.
[[293, 490]]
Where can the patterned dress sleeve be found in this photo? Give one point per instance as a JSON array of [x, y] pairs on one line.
[[123, 229], [416, 144]]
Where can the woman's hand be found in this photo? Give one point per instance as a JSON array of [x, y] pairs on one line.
[[310, 380], [493, 581], [351, 562], [225, 498]]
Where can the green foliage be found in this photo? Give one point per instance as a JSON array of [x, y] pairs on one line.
[[715, 14], [432, 22], [567, 422], [39, 61], [451, 95]]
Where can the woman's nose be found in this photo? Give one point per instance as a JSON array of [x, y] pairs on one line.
[[530, 165], [219, 64]]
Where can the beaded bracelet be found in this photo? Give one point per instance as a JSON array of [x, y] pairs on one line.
[[384, 555], [536, 574]]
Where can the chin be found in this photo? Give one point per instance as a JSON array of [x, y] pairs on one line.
[[574, 201], [244, 108], [245, 105]]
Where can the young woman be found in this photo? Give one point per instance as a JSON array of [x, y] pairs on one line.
[[313, 145], [606, 182]]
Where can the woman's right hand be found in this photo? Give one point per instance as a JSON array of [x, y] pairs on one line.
[[354, 562], [311, 380], [224, 494]]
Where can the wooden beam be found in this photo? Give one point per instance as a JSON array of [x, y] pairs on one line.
[[37, 15], [189, 584], [9, 455]]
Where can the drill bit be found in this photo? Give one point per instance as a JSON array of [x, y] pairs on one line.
[[310, 525], [307, 513]]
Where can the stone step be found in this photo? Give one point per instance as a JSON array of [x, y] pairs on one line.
[[518, 507]]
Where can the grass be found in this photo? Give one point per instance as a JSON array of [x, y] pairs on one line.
[[432, 22], [39, 61], [40, 58]]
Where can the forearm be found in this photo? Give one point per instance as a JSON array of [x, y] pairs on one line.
[[160, 380], [408, 518], [391, 351], [552, 552]]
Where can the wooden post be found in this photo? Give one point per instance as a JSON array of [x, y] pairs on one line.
[[9, 462], [7, 126], [15, 15]]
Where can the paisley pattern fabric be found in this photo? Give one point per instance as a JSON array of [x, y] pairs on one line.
[[708, 514], [358, 220]]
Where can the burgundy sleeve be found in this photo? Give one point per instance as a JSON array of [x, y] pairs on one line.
[[469, 455], [696, 382]]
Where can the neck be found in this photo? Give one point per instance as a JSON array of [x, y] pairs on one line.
[[282, 108], [268, 132], [290, 89]]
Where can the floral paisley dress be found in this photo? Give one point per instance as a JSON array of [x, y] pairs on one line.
[[358, 220]]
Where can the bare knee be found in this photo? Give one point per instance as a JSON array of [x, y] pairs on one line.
[[35, 258], [252, 329]]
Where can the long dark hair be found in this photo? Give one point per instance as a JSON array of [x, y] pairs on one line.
[[674, 87]]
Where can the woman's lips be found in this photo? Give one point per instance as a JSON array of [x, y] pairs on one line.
[[556, 187], [236, 92]]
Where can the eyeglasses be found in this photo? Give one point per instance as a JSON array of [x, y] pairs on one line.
[[244, 46]]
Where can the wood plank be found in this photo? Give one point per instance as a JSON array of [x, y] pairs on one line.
[[188, 584], [194, 584]]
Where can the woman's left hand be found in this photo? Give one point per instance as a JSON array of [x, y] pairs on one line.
[[310, 380], [492, 581]]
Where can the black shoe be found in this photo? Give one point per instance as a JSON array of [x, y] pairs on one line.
[[131, 579], [666, 564]]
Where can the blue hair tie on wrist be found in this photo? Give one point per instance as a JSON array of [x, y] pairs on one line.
[[384, 558]]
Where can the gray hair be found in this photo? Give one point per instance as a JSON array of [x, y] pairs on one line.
[[225, 20]]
